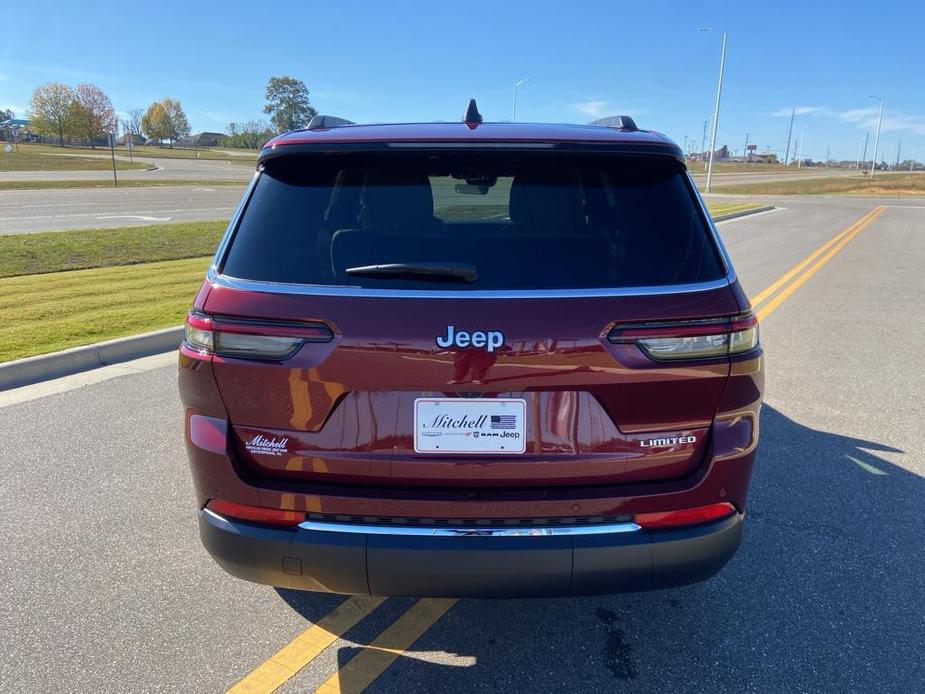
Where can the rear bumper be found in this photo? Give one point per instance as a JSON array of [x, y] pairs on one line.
[[396, 565]]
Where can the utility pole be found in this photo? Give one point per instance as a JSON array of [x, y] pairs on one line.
[[719, 94], [745, 151], [703, 142], [873, 162], [866, 138], [857, 164], [789, 137], [802, 137], [899, 148], [826, 156]]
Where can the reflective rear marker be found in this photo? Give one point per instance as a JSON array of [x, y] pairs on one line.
[[307, 646]]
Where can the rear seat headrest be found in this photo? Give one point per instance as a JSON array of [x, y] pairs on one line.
[[396, 198], [547, 199]]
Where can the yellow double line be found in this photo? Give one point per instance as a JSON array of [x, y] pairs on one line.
[[376, 657], [361, 670], [774, 295]]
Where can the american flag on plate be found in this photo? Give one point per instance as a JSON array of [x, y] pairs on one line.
[[503, 421]]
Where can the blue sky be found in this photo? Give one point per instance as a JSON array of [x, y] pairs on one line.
[[400, 61]]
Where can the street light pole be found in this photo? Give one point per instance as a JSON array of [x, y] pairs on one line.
[[514, 105], [873, 162], [802, 137], [719, 94]]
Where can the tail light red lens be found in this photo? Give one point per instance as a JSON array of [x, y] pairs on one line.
[[684, 516], [246, 339], [688, 340], [255, 514]]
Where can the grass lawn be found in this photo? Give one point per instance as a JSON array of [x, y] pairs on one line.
[[718, 209], [123, 183], [883, 184], [56, 251], [50, 312], [28, 160], [147, 151], [699, 167]]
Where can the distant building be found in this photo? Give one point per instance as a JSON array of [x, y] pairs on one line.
[[203, 139], [134, 138], [14, 129]]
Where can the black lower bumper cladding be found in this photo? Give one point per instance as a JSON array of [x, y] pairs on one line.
[[425, 566]]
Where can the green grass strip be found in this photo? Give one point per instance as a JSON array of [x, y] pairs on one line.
[[47, 313], [55, 251]]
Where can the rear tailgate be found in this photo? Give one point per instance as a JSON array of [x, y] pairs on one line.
[[344, 411]]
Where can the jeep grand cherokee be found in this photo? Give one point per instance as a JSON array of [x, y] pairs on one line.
[[471, 359]]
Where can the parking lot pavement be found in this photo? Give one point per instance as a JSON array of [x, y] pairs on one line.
[[106, 587], [25, 211]]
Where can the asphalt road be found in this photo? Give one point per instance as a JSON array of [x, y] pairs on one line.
[[24, 211], [106, 587]]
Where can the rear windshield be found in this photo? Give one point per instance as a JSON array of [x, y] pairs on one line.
[[473, 221]]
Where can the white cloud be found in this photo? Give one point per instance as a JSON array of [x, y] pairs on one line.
[[593, 108], [893, 121], [599, 108], [785, 111], [865, 117]]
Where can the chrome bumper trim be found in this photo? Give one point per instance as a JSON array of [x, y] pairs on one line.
[[474, 531]]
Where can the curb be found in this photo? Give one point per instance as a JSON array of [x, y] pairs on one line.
[[23, 372], [743, 213]]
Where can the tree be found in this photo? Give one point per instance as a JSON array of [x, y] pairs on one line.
[[93, 115], [248, 135], [165, 120], [6, 114], [132, 122], [51, 110], [288, 105]]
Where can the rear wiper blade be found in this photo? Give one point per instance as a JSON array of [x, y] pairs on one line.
[[460, 272]]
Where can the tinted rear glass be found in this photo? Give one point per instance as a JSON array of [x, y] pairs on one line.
[[528, 220]]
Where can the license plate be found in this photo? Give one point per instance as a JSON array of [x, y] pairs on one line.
[[460, 425]]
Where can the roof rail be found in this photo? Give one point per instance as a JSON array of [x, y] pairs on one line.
[[618, 122], [320, 121]]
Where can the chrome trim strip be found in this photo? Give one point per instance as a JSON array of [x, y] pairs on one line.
[[335, 290], [473, 531]]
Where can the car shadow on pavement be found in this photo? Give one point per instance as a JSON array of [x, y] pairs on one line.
[[825, 594]]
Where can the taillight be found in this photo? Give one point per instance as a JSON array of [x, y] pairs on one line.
[[686, 340], [255, 514], [251, 339], [684, 516]]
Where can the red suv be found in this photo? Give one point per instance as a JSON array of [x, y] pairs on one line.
[[471, 359]]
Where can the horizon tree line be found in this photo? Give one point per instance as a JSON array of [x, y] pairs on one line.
[[61, 112]]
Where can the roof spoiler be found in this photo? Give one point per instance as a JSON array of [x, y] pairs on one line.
[[618, 122], [321, 121]]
